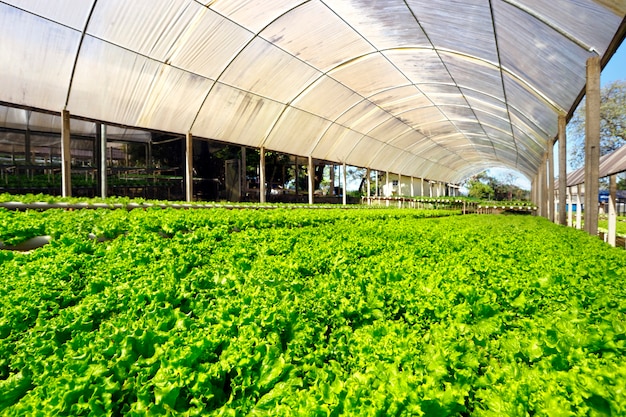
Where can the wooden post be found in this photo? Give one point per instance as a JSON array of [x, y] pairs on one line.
[[262, 175], [592, 145], [66, 157], [612, 209], [311, 180]]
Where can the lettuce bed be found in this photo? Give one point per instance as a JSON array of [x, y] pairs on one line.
[[282, 312]]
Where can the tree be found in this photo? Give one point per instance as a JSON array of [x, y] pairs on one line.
[[612, 123]]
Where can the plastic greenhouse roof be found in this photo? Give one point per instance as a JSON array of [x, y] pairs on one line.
[[438, 89]]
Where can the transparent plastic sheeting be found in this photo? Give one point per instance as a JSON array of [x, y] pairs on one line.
[[429, 88]]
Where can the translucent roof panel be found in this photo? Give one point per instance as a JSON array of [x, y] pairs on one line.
[[315, 34], [388, 24], [449, 25], [296, 131], [336, 143], [266, 70], [162, 97], [183, 34], [43, 71], [438, 88], [243, 117]]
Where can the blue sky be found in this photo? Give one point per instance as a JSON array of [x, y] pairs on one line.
[[614, 70]]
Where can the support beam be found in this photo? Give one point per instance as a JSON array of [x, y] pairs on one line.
[[368, 174], [579, 208], [399, 185], [66, 157], [244, 174], [550, 180], [412, 187], [543, 189], [612, 209], [421, 187], [188, 166], [332, 180], [562, 137], [311, 180], [377, 185], [387, 188], [592, 144], [101, 160], [262, 175], [570, 207], [344, 184]]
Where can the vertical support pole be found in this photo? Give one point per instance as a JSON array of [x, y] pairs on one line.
[[550, 178], [400, 185], [101, 164], [244, 174], [562, 169], [592, 145], [570, 211], [345, 185], [262, 175], [543, 188], [297, 174], [579, 208], [387, 189], [188, 166], [66, 161], [412, 187], [612, 209], [377, 185], [421, 187], [332, 180], [368, 175], [311, 180]]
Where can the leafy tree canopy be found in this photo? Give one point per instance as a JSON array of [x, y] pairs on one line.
[[612, 124]]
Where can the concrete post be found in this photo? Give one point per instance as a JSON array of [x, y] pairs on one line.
[[262, 175], [612, 209], [592, 144], [188, 166], [66, 157], [311, 180], [562, 169]]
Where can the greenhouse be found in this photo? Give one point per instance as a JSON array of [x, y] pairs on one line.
[[177, 238]]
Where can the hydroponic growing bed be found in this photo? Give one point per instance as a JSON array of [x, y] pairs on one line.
[[282, 312]]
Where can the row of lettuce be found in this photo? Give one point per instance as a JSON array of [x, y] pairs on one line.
[[283, 312], [125, 202]]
